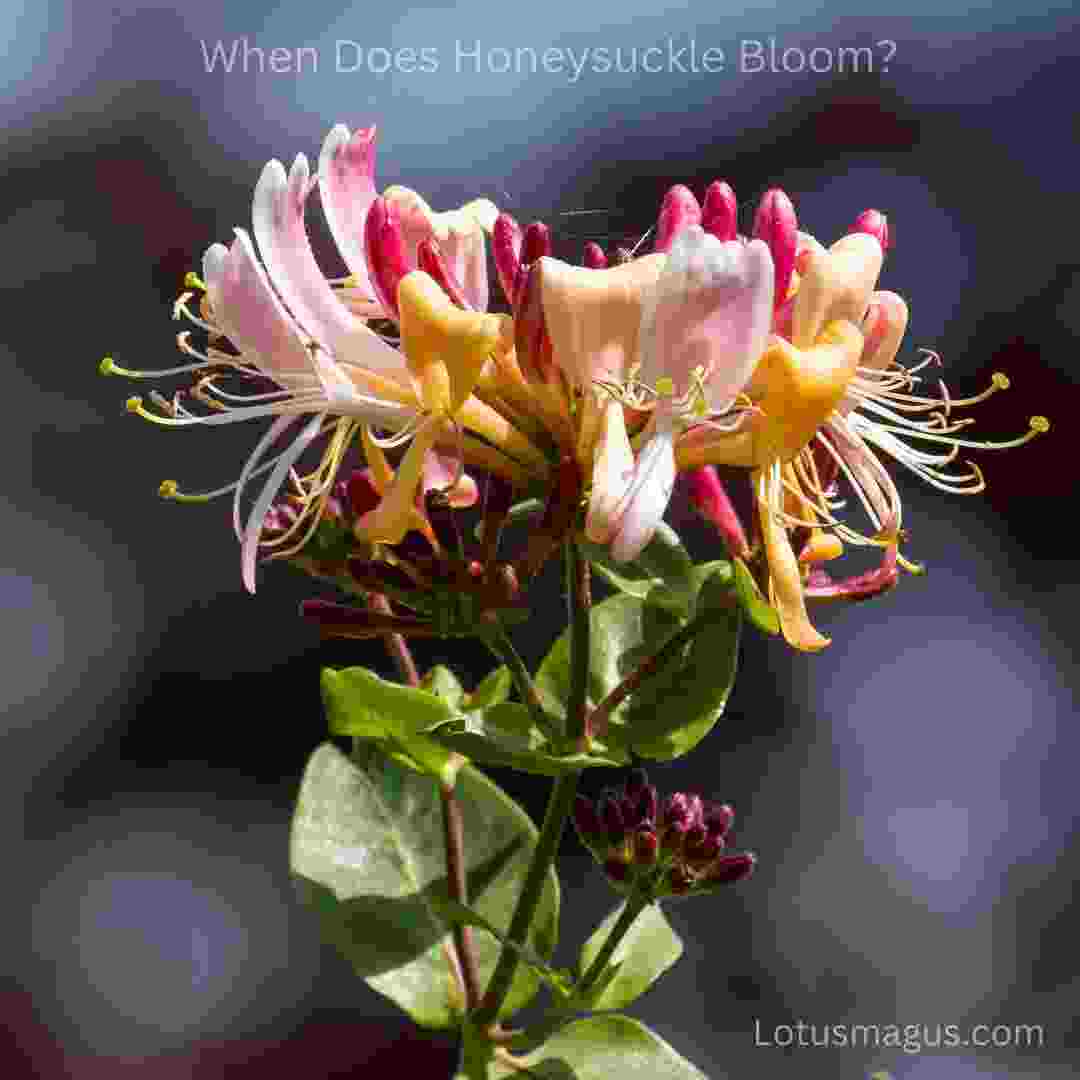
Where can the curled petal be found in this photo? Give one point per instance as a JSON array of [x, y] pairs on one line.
[[278, 217], [445, 347], [385, 246], [443, 472], [820, 586], [347, 187], [536, 243], [593, 316], [613, 469], [794, 391], [785, 579], [884, 327], [710, 312], [646, 501], [678, 211], [836, 284], [720, 211], [254, 319]]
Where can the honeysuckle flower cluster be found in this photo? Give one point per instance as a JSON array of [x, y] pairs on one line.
[[766, 352], [674, 848]]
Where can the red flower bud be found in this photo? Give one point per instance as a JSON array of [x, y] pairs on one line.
[[719, 213], [776, 224], [718, 819], [506, 248], [876, 224], [710, 498], [586, 819], [595, 259], [536, 243], [731, 868], [384, 247], [646, 847], [678, 211]]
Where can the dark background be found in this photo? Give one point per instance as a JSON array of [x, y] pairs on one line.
[[911, 792]]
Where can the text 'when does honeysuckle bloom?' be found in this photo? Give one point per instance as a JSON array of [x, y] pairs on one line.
[[769, 353]]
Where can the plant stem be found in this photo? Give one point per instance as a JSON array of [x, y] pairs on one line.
[[559, 805], [396, 644], [498, 641], [635, 905], [579, 601], [454, 833], [645, 670]]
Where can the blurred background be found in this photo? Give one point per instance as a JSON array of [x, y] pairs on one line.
[[911, 792]]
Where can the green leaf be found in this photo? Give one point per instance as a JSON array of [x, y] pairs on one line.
[[616, 639], [493, 690], [444, 684], [757, 608], [367, 850], [647, 950], [505, 735], [358, 702], [599, 1048], [663, 561], [680, 706]]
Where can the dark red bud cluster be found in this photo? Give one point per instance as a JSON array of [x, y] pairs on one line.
[[668, 847]]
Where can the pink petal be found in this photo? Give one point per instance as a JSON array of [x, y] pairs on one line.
[[506, 248], [711, 309], [720, 212], [347, 187], [775, 223], [253, 318], [678, 211], [278, 215], [646, 501]]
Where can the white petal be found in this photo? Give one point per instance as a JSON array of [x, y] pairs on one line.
[[647, 500], [250, 547], [278, 216], [711, 309], [347, 188]]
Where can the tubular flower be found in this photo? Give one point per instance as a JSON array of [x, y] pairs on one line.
[[319, 357], [677, 336], [829, 394]]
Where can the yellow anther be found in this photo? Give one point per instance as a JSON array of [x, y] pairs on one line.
[[107, 367], [665, 386], [1000, 380], [193, 281], [133, 404], [168, 489], [1040, 424]]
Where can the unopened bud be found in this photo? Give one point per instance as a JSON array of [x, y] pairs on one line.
[[384, 246], [536, 243], [720, 210], [506, 249], [646, 847], [710, 499], [678, 211], [616, 869], [586, 819], [612, 816], [776, 224], [731, 868], [876, 224], [718, 819], [595, 259]]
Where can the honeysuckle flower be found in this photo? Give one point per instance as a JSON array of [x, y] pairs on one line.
[[677, 334], [311, 354], [828, 392]]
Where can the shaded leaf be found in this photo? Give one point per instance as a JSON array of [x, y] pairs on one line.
[[647, 950], [367, 851], [759, 611], [494, 689]]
